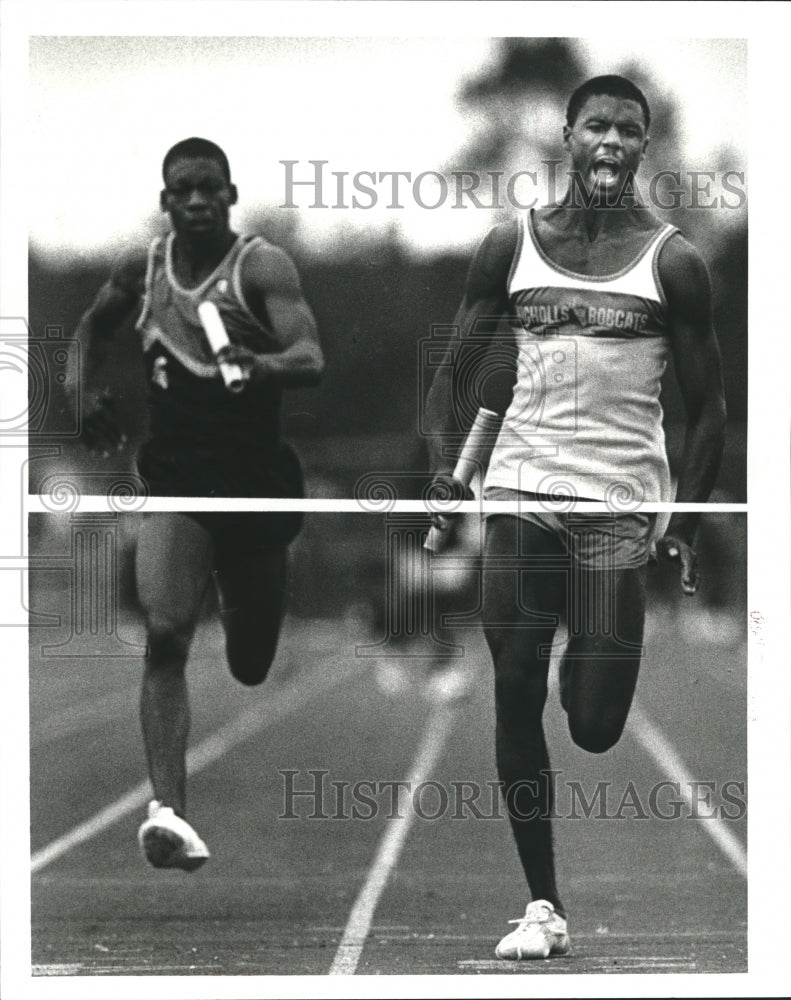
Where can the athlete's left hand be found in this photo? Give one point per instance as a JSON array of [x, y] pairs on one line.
[[671, 548], [101, 431]]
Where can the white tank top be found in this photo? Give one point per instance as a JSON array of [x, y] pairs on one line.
[[585, 419]]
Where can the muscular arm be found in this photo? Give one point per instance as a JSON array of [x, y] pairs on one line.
[[685, 280], [271, 288], [114, 301], [687, 286], [485, 301]]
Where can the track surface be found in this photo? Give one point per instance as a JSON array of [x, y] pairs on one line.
[[644, 894]]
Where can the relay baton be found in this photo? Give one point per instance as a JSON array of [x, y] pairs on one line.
[[474, 455], [216, 334]]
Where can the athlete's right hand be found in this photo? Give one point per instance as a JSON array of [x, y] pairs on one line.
[[673, 549], [445, 488], [101, 432]]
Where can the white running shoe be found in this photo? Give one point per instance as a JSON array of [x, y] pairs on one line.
[[541, 932], [168, 841]]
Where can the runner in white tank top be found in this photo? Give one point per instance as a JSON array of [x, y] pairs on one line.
[[596, 294], [585, 418]]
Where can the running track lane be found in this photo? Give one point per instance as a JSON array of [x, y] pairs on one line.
[[437, 730], [246, 725], [385, 862]]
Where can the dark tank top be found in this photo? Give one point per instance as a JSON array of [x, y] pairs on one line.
[[204, 440]]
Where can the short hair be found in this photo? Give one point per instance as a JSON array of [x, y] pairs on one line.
[[193, 148], [612, 86]]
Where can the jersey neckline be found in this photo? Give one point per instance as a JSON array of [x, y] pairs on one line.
[[592, 277], [171, 273]]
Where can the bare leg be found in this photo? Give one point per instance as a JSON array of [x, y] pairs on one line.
[[174, 557], [252, 600], [602, 659], [520, 623]]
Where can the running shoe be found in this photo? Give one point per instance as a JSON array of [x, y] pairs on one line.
[[541, 932], [168, 841]]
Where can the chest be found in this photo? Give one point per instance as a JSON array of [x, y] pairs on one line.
[[191, 268], [190, 275], [605, 253]]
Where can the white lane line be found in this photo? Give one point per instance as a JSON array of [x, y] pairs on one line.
[[249, 722], [656, 744], [358, 925], [95, 712], [90, 714], [58, 969]]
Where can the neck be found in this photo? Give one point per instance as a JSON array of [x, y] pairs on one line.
[[199, 246], [197, 251], [600, 210]]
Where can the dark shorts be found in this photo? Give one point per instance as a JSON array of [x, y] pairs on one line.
[[241, 534], [244, 555], [594, 541], [181, 471]]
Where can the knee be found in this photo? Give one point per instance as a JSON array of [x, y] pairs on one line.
[[594, 735], [516, 651], [249, 665], [519, 694], [248, 671], [501, 645], [167, 646], [518, 688]]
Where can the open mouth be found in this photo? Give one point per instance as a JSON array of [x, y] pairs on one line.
[[605, 170]]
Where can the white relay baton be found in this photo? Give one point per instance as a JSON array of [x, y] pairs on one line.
[[216, 334], [474, 455]]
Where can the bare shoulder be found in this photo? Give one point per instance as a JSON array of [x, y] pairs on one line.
[[266, 267], [128, 273], [682, 270], [492, 261], [499, 245]]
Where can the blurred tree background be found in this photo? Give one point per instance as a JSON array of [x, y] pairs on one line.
[[376, 298]]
